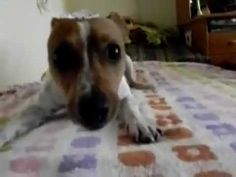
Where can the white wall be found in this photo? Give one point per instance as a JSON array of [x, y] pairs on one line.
[[104, 7], [23, 36], [160, 12]]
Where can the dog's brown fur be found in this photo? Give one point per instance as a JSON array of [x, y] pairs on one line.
[[120, 20], [63, 30]]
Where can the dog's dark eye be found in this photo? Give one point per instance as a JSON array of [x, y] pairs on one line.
[[113, 52], [65, 57]]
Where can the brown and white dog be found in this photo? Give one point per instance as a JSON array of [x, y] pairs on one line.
[[90, 73]]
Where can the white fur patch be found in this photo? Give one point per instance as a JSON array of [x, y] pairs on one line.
[[84, 80], [124, 89], [84, 31]]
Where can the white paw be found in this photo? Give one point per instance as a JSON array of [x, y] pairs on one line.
[[135, 116], [143, 132]]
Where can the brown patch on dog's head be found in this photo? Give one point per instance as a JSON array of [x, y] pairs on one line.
[[64, 52], [86, 60], [121, 22]]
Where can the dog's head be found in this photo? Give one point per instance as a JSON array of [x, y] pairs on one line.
[[87, 61], [121, 21]]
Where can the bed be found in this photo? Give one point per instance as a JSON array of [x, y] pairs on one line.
[[193, 103]]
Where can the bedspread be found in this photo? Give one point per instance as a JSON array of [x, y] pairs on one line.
[[193, 103]]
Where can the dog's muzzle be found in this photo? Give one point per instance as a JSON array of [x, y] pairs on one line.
[[93, 109]]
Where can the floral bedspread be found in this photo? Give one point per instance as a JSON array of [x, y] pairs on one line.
[[194, 104]]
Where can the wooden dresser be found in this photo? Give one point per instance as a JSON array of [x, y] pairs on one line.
[[219, 45]]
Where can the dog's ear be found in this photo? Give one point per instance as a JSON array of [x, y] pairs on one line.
[[120, 21], [54, 22]]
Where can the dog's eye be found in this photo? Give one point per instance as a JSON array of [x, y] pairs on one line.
[[113, 52], [65, 57]]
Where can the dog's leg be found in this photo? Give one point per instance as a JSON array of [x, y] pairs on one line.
[[138, 125], [131, 75], [49, 100]]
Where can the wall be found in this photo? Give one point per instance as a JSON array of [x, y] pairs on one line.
[[161, 12], [104, 7], [23, 36]]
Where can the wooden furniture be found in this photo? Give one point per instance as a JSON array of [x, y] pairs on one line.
[[217, 45]]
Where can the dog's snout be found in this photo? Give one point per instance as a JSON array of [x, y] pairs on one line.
[[93, 109]]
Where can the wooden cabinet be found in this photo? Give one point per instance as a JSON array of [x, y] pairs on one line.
[[222, 43], [219, 45], [227, 61], [183, 11], [199, 34]]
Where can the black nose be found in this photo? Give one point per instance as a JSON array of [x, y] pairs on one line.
[[93, 109]]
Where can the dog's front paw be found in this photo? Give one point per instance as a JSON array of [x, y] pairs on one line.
[[148, 135], [138, 124], [141, 86], [144, 133]]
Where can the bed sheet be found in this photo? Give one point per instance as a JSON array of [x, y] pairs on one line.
[[193, 103]]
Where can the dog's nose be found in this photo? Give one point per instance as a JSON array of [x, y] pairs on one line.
[[93, 109]]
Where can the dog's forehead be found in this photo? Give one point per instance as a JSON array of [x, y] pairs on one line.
[[101, 27], [72, 30]]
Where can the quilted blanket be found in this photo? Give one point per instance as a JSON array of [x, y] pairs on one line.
[[193, 103]]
